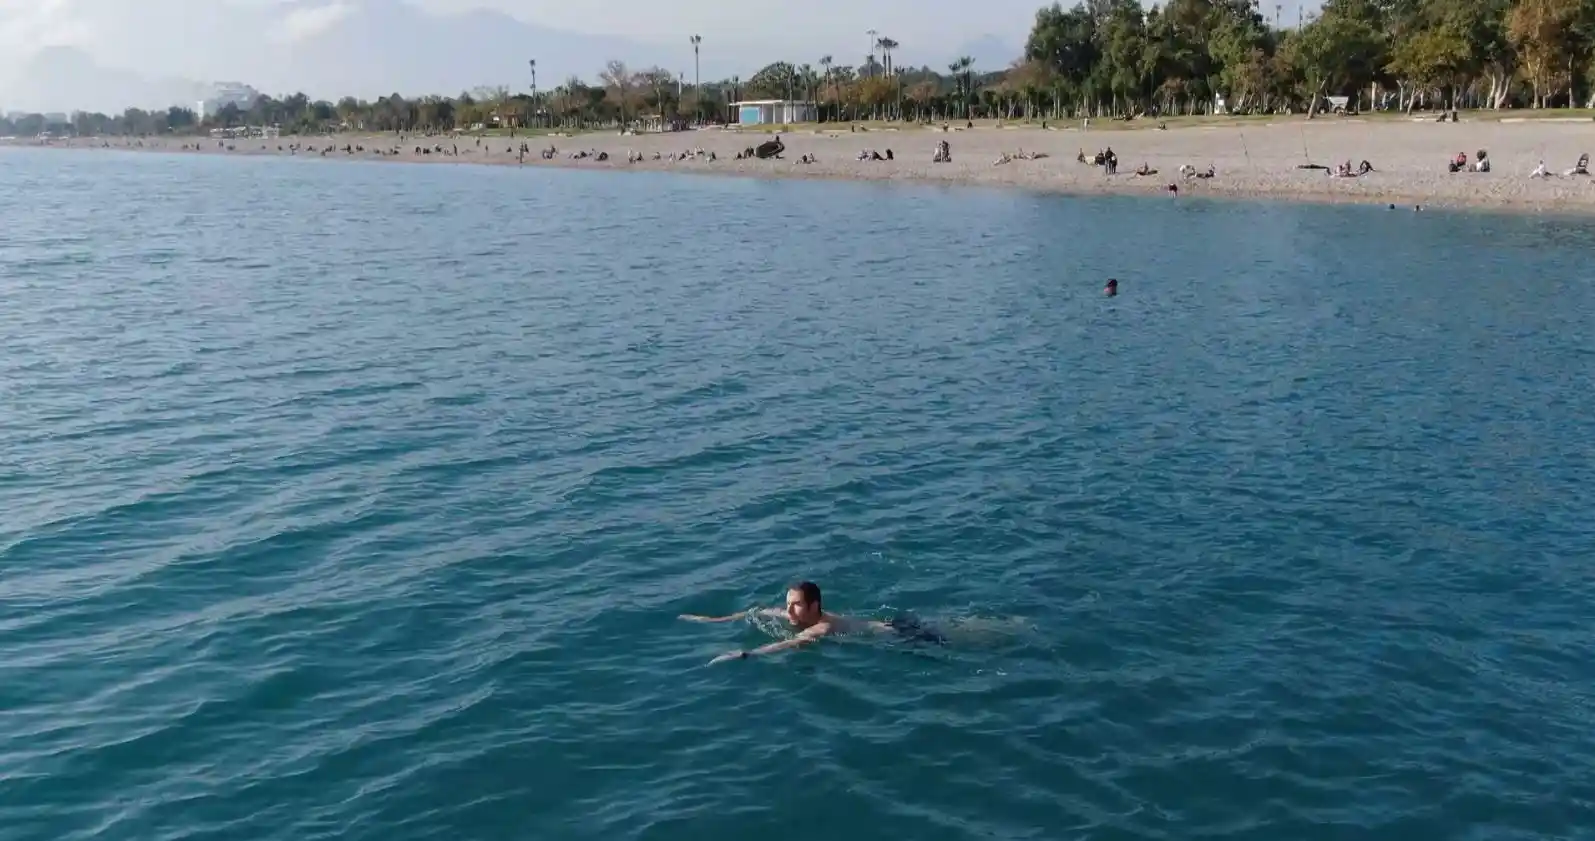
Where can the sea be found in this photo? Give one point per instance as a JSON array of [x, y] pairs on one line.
[[361, 500]]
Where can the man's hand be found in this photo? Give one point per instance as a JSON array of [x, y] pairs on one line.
[[730, 655]]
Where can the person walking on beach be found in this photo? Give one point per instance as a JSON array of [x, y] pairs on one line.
[[805, 611]]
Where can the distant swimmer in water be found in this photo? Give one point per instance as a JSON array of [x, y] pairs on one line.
[[1112, 288], [806, 612]]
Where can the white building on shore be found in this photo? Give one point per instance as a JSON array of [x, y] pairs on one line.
[[767, 112]]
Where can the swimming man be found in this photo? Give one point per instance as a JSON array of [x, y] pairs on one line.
[[806, 612]]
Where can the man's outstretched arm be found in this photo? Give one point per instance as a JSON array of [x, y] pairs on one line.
[[693, 617], [741, 614], [798, 641]]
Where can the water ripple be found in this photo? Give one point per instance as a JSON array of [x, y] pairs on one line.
[[379, 530]]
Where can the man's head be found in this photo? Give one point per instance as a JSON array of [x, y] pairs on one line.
[[803, 604]]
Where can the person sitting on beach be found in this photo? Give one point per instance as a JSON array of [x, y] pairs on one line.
[[806, 613], [1580, 168], [1539, 171], [1143, 169]]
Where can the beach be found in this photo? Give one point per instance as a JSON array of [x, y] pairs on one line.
[[1248, 159]]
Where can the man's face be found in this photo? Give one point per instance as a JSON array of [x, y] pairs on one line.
[[800, 612]]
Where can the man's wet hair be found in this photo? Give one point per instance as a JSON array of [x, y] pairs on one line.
[[810, 591]]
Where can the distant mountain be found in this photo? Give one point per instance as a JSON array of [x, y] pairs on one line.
[[364, 48], [378, 47], [369, 48], [65, 79]]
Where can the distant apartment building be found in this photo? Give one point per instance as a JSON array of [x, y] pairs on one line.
[[222, 95]]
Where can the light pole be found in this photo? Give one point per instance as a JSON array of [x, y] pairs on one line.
[[533, 63], [697, 81]]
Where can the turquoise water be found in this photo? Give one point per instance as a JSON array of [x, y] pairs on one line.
[[359, 502]]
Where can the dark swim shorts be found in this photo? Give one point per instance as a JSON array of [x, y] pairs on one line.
[[910, 628]]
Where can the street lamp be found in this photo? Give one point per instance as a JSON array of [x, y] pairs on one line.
[[533, 63], [697, 81]]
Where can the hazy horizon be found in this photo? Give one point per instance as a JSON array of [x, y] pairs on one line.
[[106, 55]]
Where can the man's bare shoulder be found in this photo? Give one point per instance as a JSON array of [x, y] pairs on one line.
[[835, 624]]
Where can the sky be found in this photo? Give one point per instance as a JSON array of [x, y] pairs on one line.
[[142, 49]]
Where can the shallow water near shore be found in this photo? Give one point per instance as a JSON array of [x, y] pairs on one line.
[[357, 501]]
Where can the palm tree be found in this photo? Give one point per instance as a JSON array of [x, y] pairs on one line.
[[873, 43], [887, 45], [961, 70], [697, 90], [826, 62]]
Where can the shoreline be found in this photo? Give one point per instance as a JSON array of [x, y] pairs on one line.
[[1251, 163]]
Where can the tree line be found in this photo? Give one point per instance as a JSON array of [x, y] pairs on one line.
[[1104, 58], [1113, 57]]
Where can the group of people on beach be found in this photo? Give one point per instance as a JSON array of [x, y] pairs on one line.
[[424, 145], [1579, 169], [1481, 163]]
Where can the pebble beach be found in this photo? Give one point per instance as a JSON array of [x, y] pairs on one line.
[[1288, 158]]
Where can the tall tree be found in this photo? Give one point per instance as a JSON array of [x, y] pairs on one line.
[[1337, 53], [617, 87], [1543, 33], [770, 82], [1066, 42]]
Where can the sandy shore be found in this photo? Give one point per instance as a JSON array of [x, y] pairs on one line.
[[1249, 160]]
